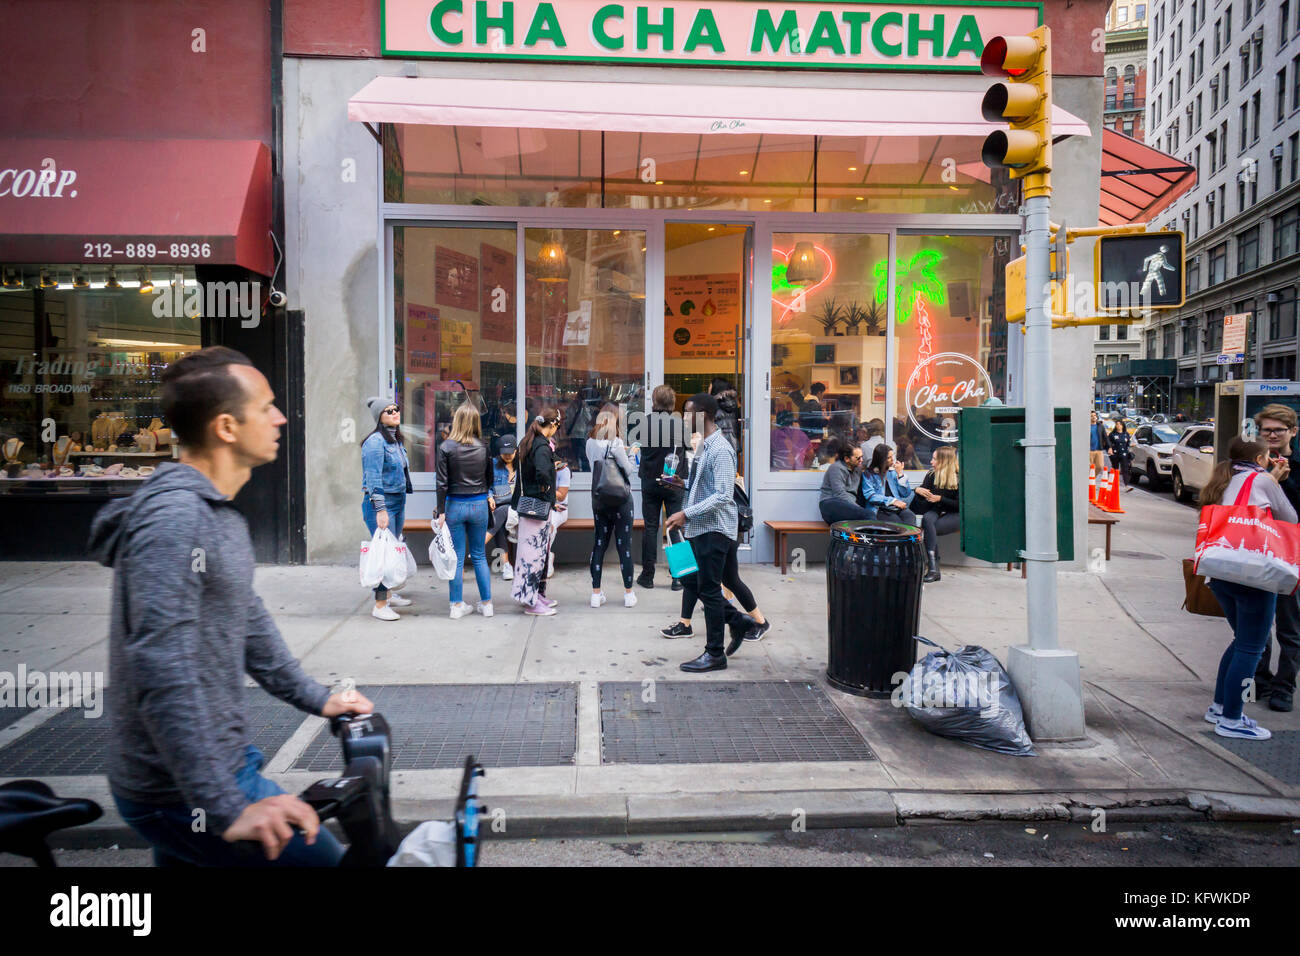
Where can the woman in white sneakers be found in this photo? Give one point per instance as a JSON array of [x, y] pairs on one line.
[[465, 503], [606, 450], [385, 483]]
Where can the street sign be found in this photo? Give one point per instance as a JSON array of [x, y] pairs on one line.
[[1139, 271], [1224, 358], [1234, 332]]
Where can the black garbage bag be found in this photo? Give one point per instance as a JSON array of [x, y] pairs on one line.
[[967, 695]]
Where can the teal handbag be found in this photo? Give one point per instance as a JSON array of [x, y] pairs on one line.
[[680, 557]]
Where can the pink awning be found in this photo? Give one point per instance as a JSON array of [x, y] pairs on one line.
[[680, 108]]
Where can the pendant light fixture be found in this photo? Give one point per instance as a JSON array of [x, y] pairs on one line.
[[802, 269], [79, 281], [146, 284], [112, 282], [48, 281], [552, 262], [13, 280]]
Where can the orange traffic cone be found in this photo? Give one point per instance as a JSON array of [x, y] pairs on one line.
[[1092, 484], [1111, 494]]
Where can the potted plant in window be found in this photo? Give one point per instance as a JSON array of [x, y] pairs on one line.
[[830, 315], [873, 317]]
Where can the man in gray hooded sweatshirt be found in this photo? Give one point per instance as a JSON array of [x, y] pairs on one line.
[[186, 626]]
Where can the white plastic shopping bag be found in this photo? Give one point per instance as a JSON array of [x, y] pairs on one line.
[[411, 567], [395, 562], [373, 554], [432, 843], [442, 553], [512, 525]]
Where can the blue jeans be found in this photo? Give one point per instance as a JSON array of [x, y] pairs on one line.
[[469, 516], [1250, 613], [169, 828], [395, 505]]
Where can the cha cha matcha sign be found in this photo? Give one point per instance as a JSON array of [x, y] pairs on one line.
[[826, 36]]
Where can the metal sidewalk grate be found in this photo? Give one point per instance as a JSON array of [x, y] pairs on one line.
[[435, 726], [724, 722], [1278, 756], [70, 744], [10, 715]]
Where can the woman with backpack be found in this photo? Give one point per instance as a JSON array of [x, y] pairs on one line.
[[465, 504], [611, 502], [533, 499], [385, 483], [1249, 610]]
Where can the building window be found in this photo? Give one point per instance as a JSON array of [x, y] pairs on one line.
[[1141, 13], [1168, 343], [1121, 332], [1279, 96], [1295, 82], [1254, 116], [1128, 127], [1219, 263], [1277, 168], [1150, 344], [1243, 118], [1103, 333], [1282, 315], [1286, 233], [1294, 142], [1123, 15], [1283, 19], [1188, 327], [1193, 274], [1248, 251], [1214, 331]]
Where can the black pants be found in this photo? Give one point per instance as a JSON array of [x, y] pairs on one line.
[[934, 524], [713, 552], [1121, 464], [730, 580], [906, 516], [655, 498], [833, 511], [619, 521], [1288, 647]]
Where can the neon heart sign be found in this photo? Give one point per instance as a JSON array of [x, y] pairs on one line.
[[781, 285]]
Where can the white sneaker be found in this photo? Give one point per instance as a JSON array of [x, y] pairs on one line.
[[460, 610], [484, 608], [598, 599], [629, 599], [507, 573], [550, 565], [396, 600], [1213, 713], [1244, 729], [385, 613]]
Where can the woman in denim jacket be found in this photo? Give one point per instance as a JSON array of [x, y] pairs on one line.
[[385, 483], [885, 488]]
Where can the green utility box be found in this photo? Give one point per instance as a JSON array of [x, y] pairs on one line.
[[992, 484]]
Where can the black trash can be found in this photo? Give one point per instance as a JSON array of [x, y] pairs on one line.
[[873, 604]]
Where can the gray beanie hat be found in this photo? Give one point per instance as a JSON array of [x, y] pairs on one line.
[[377, 406]]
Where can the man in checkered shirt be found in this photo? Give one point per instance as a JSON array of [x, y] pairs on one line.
[[709, 517]]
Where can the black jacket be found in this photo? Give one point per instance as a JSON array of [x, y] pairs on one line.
[[463, 470], [1119, 442], [536, 473], [664, 433], [949, 499], [1291, 487], [728, 421]]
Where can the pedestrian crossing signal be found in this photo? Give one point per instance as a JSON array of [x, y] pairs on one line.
[[1140, 271]]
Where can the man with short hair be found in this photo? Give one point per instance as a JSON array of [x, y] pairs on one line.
[[710, 518], [1098, 442], [186, 626], [1277, 427]]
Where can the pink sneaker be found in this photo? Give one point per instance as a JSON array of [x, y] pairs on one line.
[[540, 609], [549, 602]]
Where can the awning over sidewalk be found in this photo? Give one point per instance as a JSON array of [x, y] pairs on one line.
[[680, 108], [136, 201], [1138, 181]]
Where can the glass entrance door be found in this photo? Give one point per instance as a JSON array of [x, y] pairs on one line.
[[706, 320]]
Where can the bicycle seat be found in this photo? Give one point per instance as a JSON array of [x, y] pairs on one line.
[[29, 812]]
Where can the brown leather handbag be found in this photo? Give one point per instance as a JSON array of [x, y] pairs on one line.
[[1200, 599]]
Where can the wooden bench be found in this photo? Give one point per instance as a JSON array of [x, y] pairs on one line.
[[782, 528], [573, 524]]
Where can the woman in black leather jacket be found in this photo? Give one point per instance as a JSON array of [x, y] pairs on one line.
[[465, 504]]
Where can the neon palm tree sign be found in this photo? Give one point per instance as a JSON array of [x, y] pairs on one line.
[[913, 285]]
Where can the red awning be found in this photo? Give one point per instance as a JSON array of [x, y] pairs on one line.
[[1138, 181], [168, 201]]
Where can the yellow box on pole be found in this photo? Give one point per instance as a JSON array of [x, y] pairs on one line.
[[1016, 295]]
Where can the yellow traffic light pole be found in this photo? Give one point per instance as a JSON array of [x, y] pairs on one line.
[[1046, 677]]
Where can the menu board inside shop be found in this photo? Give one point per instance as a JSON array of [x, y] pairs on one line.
[[702, 315]]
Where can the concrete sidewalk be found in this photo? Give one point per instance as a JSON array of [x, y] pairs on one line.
[[1148, 669]]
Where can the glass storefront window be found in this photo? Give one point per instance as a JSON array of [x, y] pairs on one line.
[[951, 336], [454, 294], [584, 328], [82, 352], [828, 343]]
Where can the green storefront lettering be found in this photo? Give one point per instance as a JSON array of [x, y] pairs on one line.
[[437, 21], [606, 13], [705, 30], [854, 20], [775, 34], [505, 23], [967, 38], [891, 19], [545, 26], [825, 34], [915, 35], [644, 28]]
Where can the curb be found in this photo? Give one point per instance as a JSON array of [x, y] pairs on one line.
[[616, 815]]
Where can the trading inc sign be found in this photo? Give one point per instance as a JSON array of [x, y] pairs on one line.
[[940, 387], [856, 35]]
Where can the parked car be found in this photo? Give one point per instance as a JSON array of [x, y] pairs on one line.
[[1193, 460], [1153, 452]]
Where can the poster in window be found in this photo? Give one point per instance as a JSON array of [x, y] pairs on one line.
[[422, 340], [878, 386], [702, 315], [457, 339], [497, 298], [455, 279]]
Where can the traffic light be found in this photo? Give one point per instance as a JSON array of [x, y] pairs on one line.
[[1026, 104]]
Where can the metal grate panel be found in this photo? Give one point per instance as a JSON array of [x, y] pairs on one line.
[[435, 726], [724, 722], [1278, 756], [9, 715], [70, 744]]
